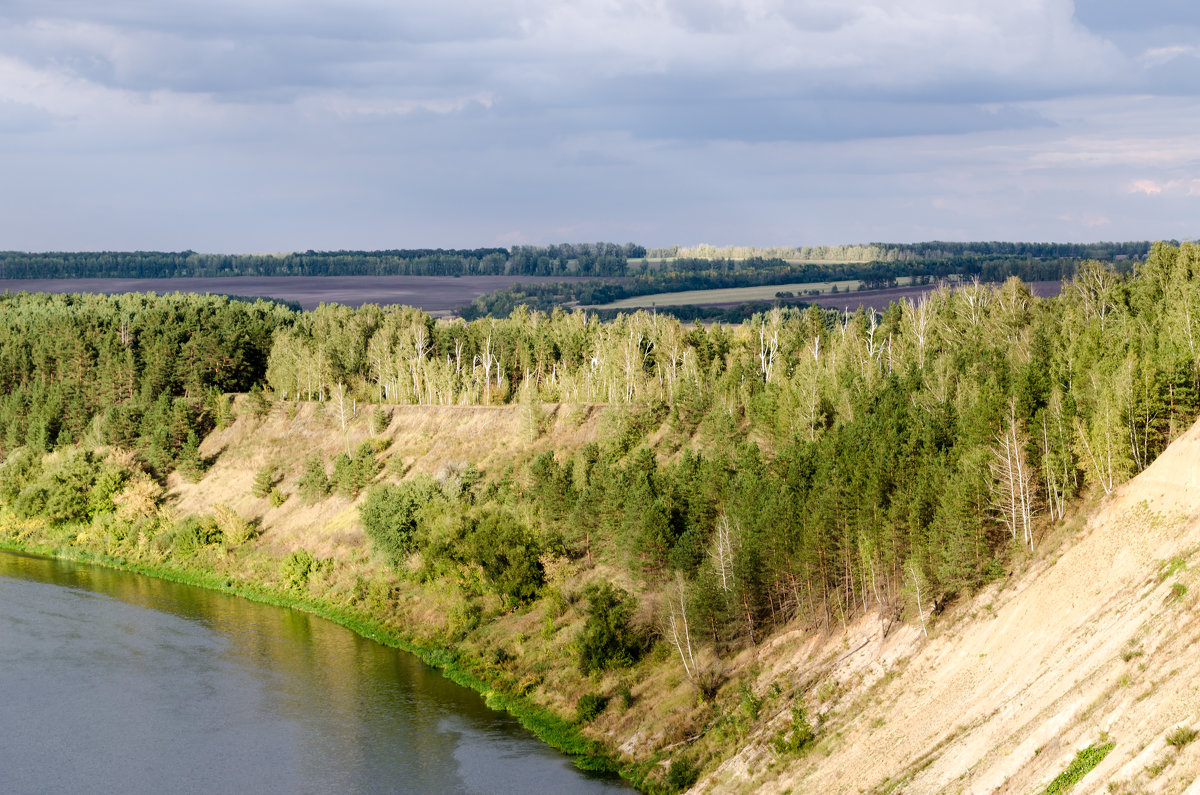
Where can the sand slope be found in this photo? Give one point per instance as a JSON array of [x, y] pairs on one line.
[[1100, 643]]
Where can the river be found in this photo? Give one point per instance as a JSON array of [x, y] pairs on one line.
[[115, 682]]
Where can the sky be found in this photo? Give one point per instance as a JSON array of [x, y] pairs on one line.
[[244, 126]]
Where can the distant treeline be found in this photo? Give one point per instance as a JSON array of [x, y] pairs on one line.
[[584, 259], [891, 252], [701, 274], [568, 259]]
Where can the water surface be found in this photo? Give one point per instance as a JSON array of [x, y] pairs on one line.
[[111, 681]]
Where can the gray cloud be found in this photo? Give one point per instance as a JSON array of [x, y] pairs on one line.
[[263, 126]]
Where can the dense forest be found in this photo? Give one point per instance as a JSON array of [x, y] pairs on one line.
[[803, 466], [595, 259], [892, 252], [136, 371]]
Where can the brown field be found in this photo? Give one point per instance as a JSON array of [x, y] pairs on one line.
[[434, 294]]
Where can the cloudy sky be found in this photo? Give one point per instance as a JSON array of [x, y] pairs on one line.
[[278, 125]]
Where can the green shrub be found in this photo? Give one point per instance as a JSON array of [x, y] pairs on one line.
[[313, 483], [20, 468], [608, 639], [681, 774], [1083, 763], [1181, 736], [264, 480], [589, 707], [508, 555], [390, 516], [79, 487], [799, 737], [258, 402], [191, 533], [380, 418], [297, 568], [188, 461], [352, 474]]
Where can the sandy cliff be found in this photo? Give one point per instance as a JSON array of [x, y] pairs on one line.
[[1098, 642]]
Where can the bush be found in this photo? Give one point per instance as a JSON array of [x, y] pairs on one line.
[[314, 483], [258, 402], [801, 736], [21, 468], [380, 418], [297, 568], [508, 555], [682, 774], [191, 533], [234, 529], [589, 707], [264, 480], [352, 474], [77, 489], [608, 639], [1181, 736], [389, 516]]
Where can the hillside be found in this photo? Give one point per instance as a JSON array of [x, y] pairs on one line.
[[716, 550], [1094, 644], [1087, 643]]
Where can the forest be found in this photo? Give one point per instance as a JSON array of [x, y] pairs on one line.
[[595, 259], [933, 250], [815, 465]]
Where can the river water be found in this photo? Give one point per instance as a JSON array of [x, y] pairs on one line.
[[114, 682]]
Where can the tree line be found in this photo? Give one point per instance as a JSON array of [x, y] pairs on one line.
[[571, 259], [595, 259], [937, 249]]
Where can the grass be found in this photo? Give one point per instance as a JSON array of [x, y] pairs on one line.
[[1169, 568], [1085, 761], [1181, 736]]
